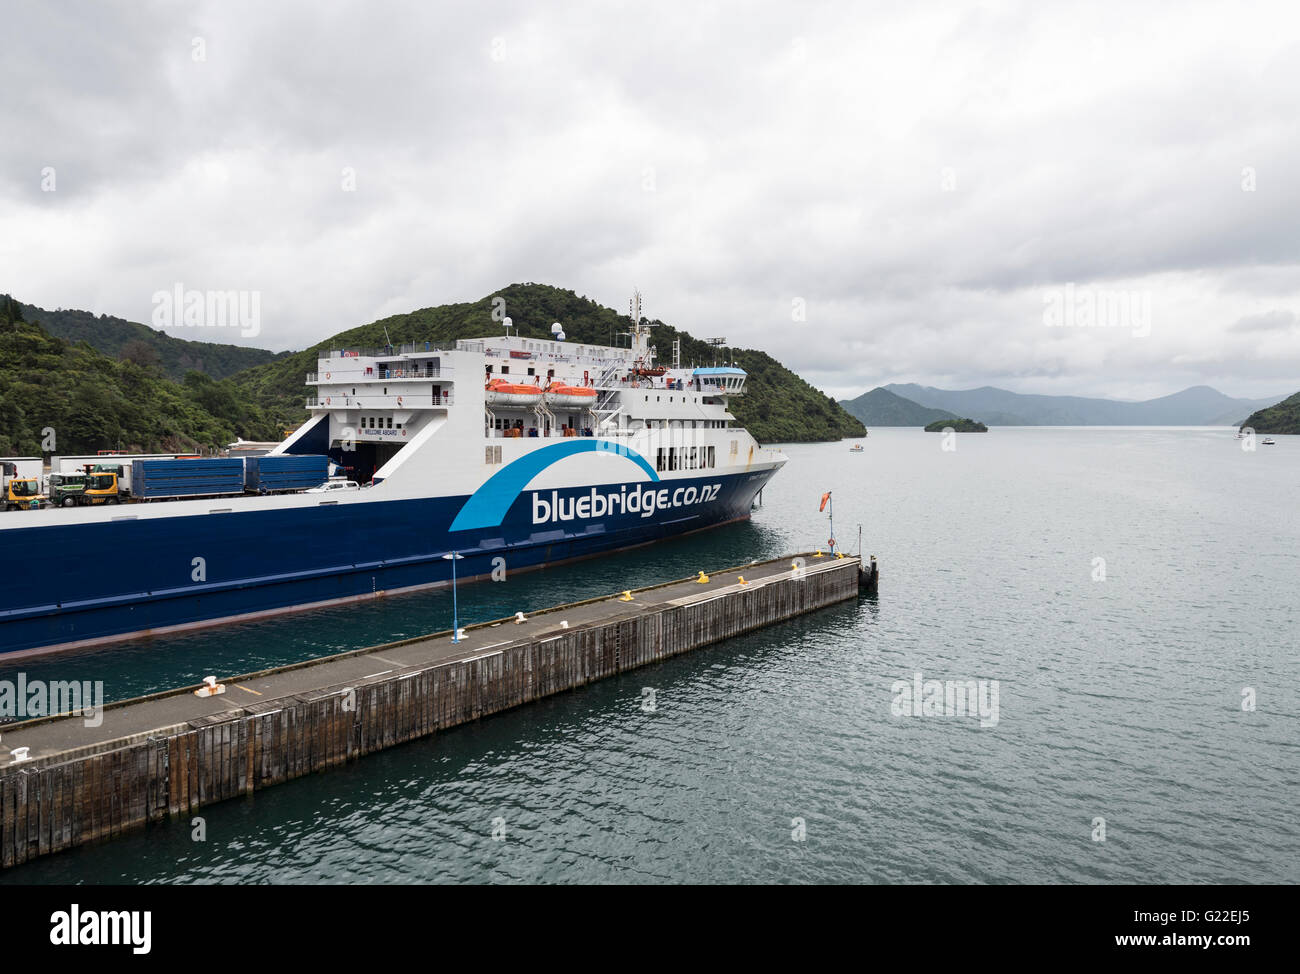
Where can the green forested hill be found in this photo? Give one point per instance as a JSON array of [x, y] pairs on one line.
[[778, 405], [119, 338], [97, 397], [1282, 418], [94, 402]]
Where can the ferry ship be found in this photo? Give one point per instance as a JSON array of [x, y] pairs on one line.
[[510, 452]]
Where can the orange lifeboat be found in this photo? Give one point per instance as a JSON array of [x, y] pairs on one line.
[[502, 393], [559, 394]]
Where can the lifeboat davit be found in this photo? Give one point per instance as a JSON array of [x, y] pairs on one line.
[[558, 394], [502, 393]]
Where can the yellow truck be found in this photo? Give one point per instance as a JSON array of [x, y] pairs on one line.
[[20, 493], [103, 485]]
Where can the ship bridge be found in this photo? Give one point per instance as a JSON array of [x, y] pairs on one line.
[[721, 380]]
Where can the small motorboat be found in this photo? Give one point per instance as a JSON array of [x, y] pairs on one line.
[[1269, 441], [857, 448]]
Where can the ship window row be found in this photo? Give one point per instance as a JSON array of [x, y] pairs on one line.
[[505, 370], [685, 458], [686, 424], [377, 423]]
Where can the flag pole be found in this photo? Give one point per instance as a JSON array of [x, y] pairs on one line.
[[827, 499]]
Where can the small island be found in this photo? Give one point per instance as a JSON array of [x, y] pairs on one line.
[[957, 426]]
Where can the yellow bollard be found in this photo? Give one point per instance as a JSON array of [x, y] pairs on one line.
[[703, 579], [742, 580], [839, 554], [626, 596], [819, 553]]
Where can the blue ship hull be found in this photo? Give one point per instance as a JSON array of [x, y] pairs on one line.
[[101, 582]]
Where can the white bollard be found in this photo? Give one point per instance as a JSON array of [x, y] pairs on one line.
[[210, 688]]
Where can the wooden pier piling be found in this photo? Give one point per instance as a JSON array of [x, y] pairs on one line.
[[169, 754]]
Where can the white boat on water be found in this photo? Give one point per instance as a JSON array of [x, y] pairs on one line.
[[856, 448]]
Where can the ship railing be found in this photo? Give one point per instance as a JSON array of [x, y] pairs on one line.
[[536, 433], [411, 400], [372, 374], [597, 360], [620, 357], [379, 351], [439, 373]]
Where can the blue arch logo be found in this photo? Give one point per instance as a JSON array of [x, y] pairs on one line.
[[488, 505]]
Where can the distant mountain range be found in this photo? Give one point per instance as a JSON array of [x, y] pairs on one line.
[[118, 338], [1197, 406]]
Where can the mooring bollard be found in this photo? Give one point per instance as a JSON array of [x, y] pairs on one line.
[[210, 688]]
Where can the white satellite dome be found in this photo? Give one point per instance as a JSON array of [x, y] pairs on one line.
[[557, 329]]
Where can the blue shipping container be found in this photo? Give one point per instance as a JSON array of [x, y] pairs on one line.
[[187, 478], [285, 472]]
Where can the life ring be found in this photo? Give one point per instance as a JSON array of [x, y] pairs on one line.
[[399, 400]]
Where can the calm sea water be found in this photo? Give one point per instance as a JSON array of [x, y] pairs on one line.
[[1118, 699]]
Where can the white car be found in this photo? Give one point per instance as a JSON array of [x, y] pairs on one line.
[[332, 485]]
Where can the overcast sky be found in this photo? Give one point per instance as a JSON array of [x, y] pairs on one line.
[[871, 192]]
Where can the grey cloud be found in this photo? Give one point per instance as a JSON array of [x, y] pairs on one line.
[[1268, 321], [791, 150]]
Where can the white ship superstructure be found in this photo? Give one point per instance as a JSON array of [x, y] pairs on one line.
[[403, 414]]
